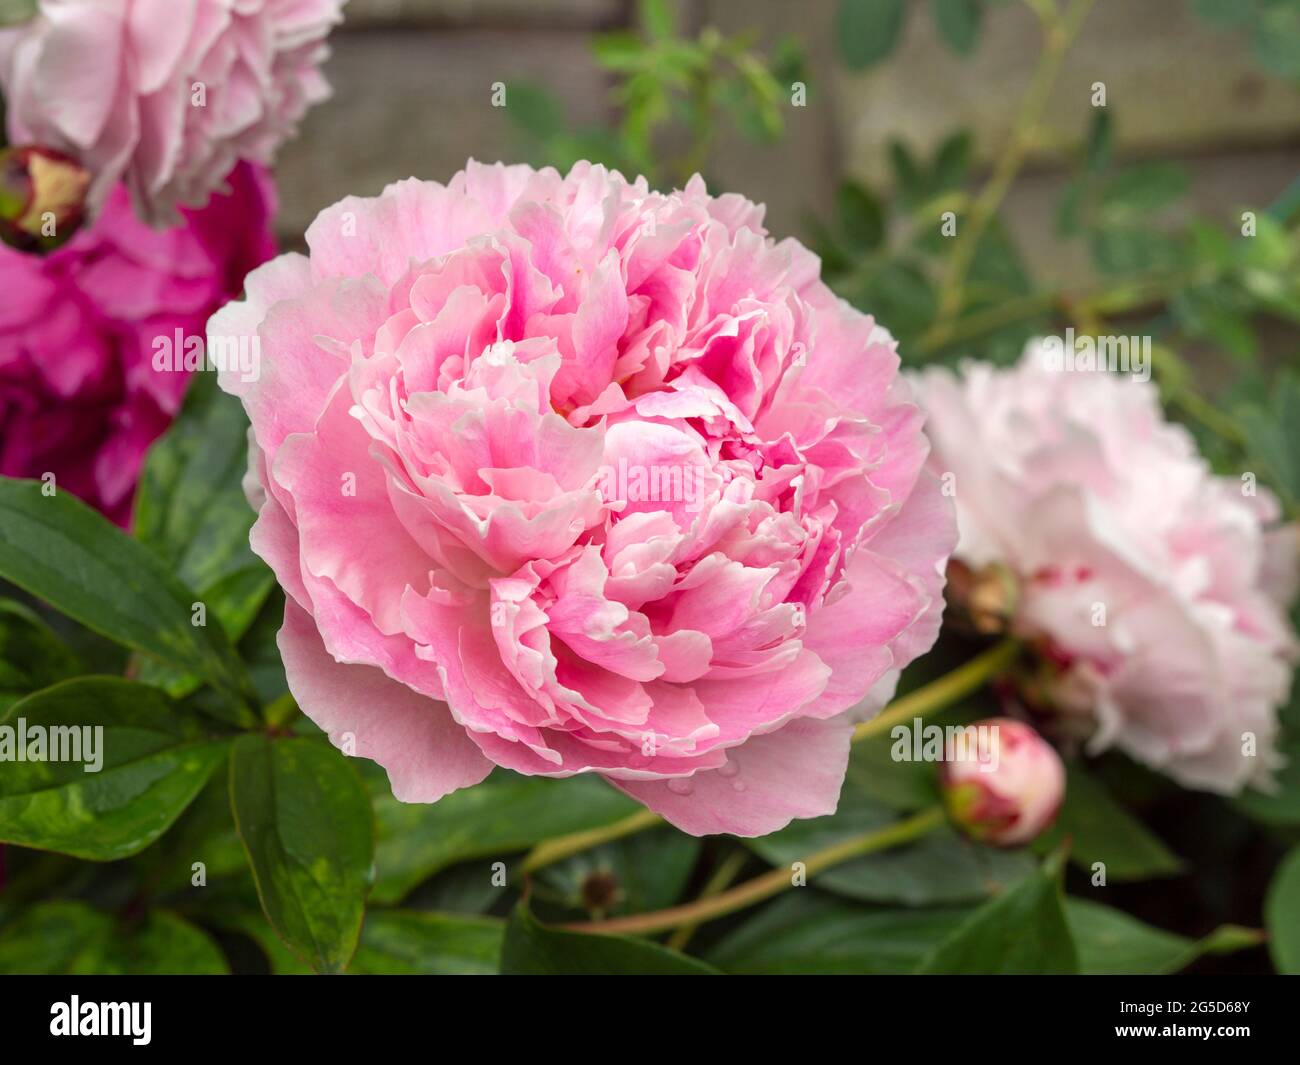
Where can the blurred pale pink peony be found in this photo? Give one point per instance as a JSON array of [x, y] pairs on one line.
[[164, 95], [79, 327], [609, 472], [1144, 578], [1005, 785]]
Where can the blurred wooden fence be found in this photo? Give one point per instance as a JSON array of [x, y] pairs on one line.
[[412, 95]]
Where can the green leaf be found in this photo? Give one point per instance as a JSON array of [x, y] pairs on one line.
[[162, 945], [535, 111], [406, 942], [305, 821], [787, 61], [940, 869], [1280, 806], [154, 762], [461, 889], [1270, 250], [238, 596], [755, 99], [204, 833], [1225, 12], [619, 50], [998, 270], [951, 162], [191, 510], [58, 549], [901, 294], [1212, 246], [54, 938], [235, 601], [1273, 438], [875, 774], [31, 655], [958, 23], [867, 30], [1121, 248], [1101, 830], [861, 218], [1110, 942], [658, 18], [1276, 40], [260, 652], [1282, 914], [505, 813], [913, 188], [1211, 312], [1144, 188], [532, 949], [1022, 930], [643, 872], [50, 938], [1101, 140], [13, 12], [809, 932], [244, 916]]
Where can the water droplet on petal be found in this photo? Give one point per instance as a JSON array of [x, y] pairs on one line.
[[681, 785], [729, 768]]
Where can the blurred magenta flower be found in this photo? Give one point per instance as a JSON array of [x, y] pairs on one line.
[[165, 96], [568, 476], [80, 329], [1005, 786], [1152, 589]]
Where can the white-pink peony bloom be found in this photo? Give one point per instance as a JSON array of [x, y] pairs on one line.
[[1144, 577], [164, 95], [568, 476]]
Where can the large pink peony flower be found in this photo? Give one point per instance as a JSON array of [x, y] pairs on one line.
[[1143, 576], [79, 329], [165, 95], [567, 476]]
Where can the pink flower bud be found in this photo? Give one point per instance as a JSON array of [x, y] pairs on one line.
[[1005, 785]]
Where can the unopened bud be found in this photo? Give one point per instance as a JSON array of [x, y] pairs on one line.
[[1006, 787], [983, 600], [42, 197], [600, 891]]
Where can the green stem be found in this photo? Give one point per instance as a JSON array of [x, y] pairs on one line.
[[721, 879], [971, 326], [944, 692], [1058, 33], [767, 885], [553, 850], [1125, 297]]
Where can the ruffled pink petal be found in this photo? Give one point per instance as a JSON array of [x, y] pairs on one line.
[[767, 783], [426, 753]]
